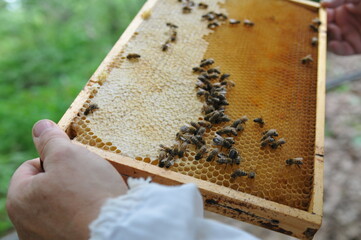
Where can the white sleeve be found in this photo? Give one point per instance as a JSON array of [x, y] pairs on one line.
[[155, 212]]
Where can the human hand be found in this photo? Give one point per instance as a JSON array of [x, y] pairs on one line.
[[344, 26], [60, 202]]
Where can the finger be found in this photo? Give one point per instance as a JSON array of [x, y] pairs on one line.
[[334, 32], [354, 39], [331, 3], [353, 8], [25, 173], [330, 15], [341, 48], [49, 139], [337, 3]]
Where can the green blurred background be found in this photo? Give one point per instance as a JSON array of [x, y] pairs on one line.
[[48, 51]]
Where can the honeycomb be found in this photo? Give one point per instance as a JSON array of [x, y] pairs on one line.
[[143, 103]]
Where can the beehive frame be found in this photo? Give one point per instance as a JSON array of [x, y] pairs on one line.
[[226, 201]]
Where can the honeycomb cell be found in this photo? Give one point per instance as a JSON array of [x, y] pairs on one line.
[[100, 144], [92, 142]]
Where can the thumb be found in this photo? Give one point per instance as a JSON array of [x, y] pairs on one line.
[[49, 139]]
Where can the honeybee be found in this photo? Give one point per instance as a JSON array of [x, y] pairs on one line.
[[259, 120], [269, 133], [278, 143], [198, 70], [224, 76], [238, 173], [228, 83], [202, 5], [194, 140], [314, 28], [266, 141], [162, 155], [195, 125], [209, 16], [213, 116], [201, 152], [131, 56], [165, 149], [251, 175], [223, 118], [169, 163], [307, 59], [228, 131], [186, 9], [188, 129], [212, 154], [213, 70], [314, 41], [162, 162], [247, 22], [166, 162], [239, 121], [171, 25], [165, 46], [223, 142], [239, 128], [91, 109], [202, 92], [182, 149], [213, 25], [213, 76], [234, 155], [218, 117], [298, 161], [181, 137], [221, 16], [234, 21], [207, 109], [201, 131], [173, 36], [224, 160], [316, 21], [205, 124]]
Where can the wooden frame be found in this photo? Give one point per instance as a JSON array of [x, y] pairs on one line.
[[238, 205]]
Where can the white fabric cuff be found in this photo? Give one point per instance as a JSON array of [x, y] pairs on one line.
[[152, 211]]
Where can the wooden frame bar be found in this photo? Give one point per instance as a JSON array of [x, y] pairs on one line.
[[238, 205]]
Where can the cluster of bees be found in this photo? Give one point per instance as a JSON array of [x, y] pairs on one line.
[[314, 40], [172, 38], [214, 20], [212, 87], [268, 139], [315, 24], [188, 5]]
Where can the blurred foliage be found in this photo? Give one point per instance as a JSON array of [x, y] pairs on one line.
[[48, 50]]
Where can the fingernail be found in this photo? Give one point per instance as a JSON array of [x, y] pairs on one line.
[[41, 126]]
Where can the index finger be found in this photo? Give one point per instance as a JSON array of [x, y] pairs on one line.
[[25, 172]]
